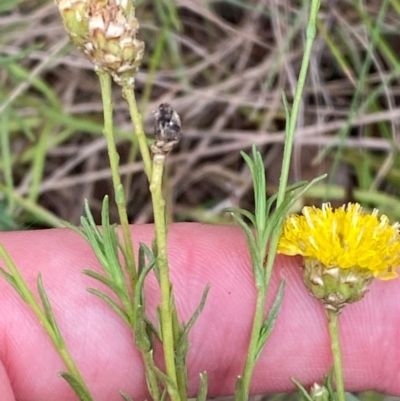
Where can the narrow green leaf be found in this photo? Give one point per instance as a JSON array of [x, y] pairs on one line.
[[182, 346], [106, 246], [182, 349], [328, 383], [152, 329], [164, 395], [96, 244], [155, 253], [150, 255], [143, 337], [305, 188], [49, 311], [138, 296], [257, 263], [159, 320], [289, 189], [77, 229], [248, 160], [10, 279], [111, 244], [239, 390], [199, 309], [106, 281], [141, 259], [275, 222], [89, 216], [269, 323], [257, 170], [165, 379], [286, 205], [203, 388], [127, 259], [147, 254], [111, 303], [276, 219], [125, 396], [243, 212], [79, 389], [296, 185], [143, 326], [302, 390]]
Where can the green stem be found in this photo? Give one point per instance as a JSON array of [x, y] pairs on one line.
[[291, 125], [105, 84], [28, 296], [37, 211], [253, 346], [6, 153], [337, 354], [167, 303], [151, 378], [262, 290], [129, 95]]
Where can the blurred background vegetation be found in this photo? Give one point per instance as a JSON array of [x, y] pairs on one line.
[[223, 65]]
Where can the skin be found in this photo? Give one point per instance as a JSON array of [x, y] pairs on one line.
[[199, 254]]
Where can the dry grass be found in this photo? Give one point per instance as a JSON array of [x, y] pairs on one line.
[[223, 66]]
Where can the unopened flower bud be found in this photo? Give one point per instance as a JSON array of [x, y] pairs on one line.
[[319, 393]]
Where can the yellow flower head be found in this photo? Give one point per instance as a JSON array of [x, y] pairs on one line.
[[345, 238]]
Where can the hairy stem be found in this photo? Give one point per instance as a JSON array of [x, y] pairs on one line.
[[129, 95], [252, 351], [105, 84], [292, 123], [337, 354], [167, 302]]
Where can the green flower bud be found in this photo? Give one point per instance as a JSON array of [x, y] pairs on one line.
[[319, 393], [334, 286]]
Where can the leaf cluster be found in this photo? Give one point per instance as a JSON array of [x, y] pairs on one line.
[[262, 231], [126, 296], [45, 315]]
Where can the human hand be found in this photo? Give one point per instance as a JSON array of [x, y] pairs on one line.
[[199, 254]]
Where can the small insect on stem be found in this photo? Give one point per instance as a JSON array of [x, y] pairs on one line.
[[167, 129]]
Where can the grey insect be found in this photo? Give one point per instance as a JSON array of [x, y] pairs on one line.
[[167, 125]]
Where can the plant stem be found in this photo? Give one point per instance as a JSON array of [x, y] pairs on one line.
[[337, 354], [255, 335], [151, 378], [129, 95], [28, 296], [292, 123], [105, 84], [167, 303], [262, 289]]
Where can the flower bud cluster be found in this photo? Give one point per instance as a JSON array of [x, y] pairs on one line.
[[106, 32]]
